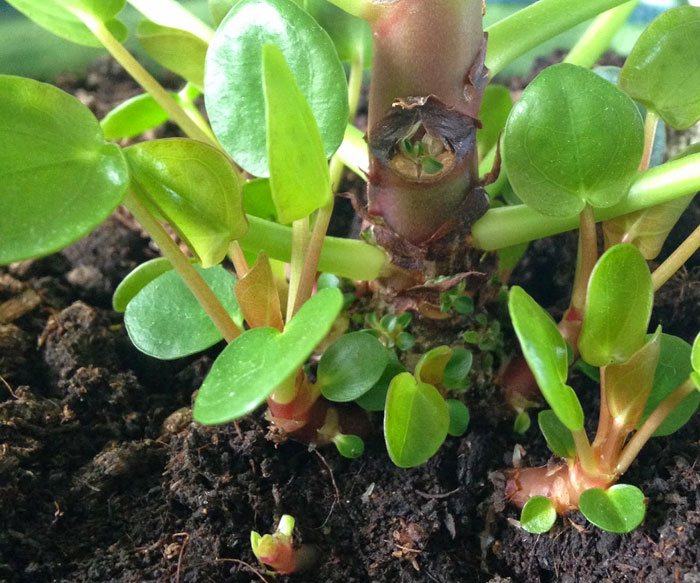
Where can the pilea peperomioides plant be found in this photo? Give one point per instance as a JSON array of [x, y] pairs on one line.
[[252, 185]]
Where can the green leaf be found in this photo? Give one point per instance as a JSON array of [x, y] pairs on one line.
[[133, 117], [349, 446], [618, 307], [351, 366], [619, 509], [557, 436], [431, 366], [350, 34], [139, 278], [259, 360], [572, 139], [166, 321], [416, 421], [546, 354], [695, 354], [673, 369], [257, 199], [628, 384], [375, 398], [647, 229], [58, 177], [495, 108], [299, 174], [663, 69], [459, 417], [178, 50], [195, 187], [58, 17], [456, 375], [233, 78], [522, 423], [538, 515]]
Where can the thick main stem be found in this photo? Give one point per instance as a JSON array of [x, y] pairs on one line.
[[181, 263]]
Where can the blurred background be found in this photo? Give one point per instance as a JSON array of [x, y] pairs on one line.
[[27, 50]]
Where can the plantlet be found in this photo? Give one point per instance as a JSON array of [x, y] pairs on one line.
[[647, 389], [277, 551], [254, 185]]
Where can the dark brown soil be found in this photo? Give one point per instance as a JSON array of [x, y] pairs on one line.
[[104, 478]]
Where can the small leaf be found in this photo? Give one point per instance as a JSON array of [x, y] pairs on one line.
[[59, 179], [546, 354], [695, 354], [258, 296], [299, 174], [618, 307], [58, 17], [375, 398], [456, 375], [416, 421], [663, 69], [233, 77], [137, 279], [538, 515], [558, 437], [459, 417], [259, 360], [673, 369], [647, 229], [178, 50], [619, 509], [133, 117], [165, 320], [495, 107], [572, 139], [349, 446], [522, 423], [257, 199], [351, 366], [195, 187], [628, 384], [431, 366]]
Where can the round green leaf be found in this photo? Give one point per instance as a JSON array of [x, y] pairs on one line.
[[178, 50], [618, 307], [57, 16], [196, 188], [522, 422], [695, 354], [259, 360], [673, 369], [572, 139], [299, 176], [546, 354], [459, 417], [139, 278], [416, 421], [456, 375], [58, 177], [663, 69], [349, 446], [375, 398], [165, 320], [233, 79], [557, 436], [431, 366], [351, 366], [619, 509], [133, 117], [538, 515]]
